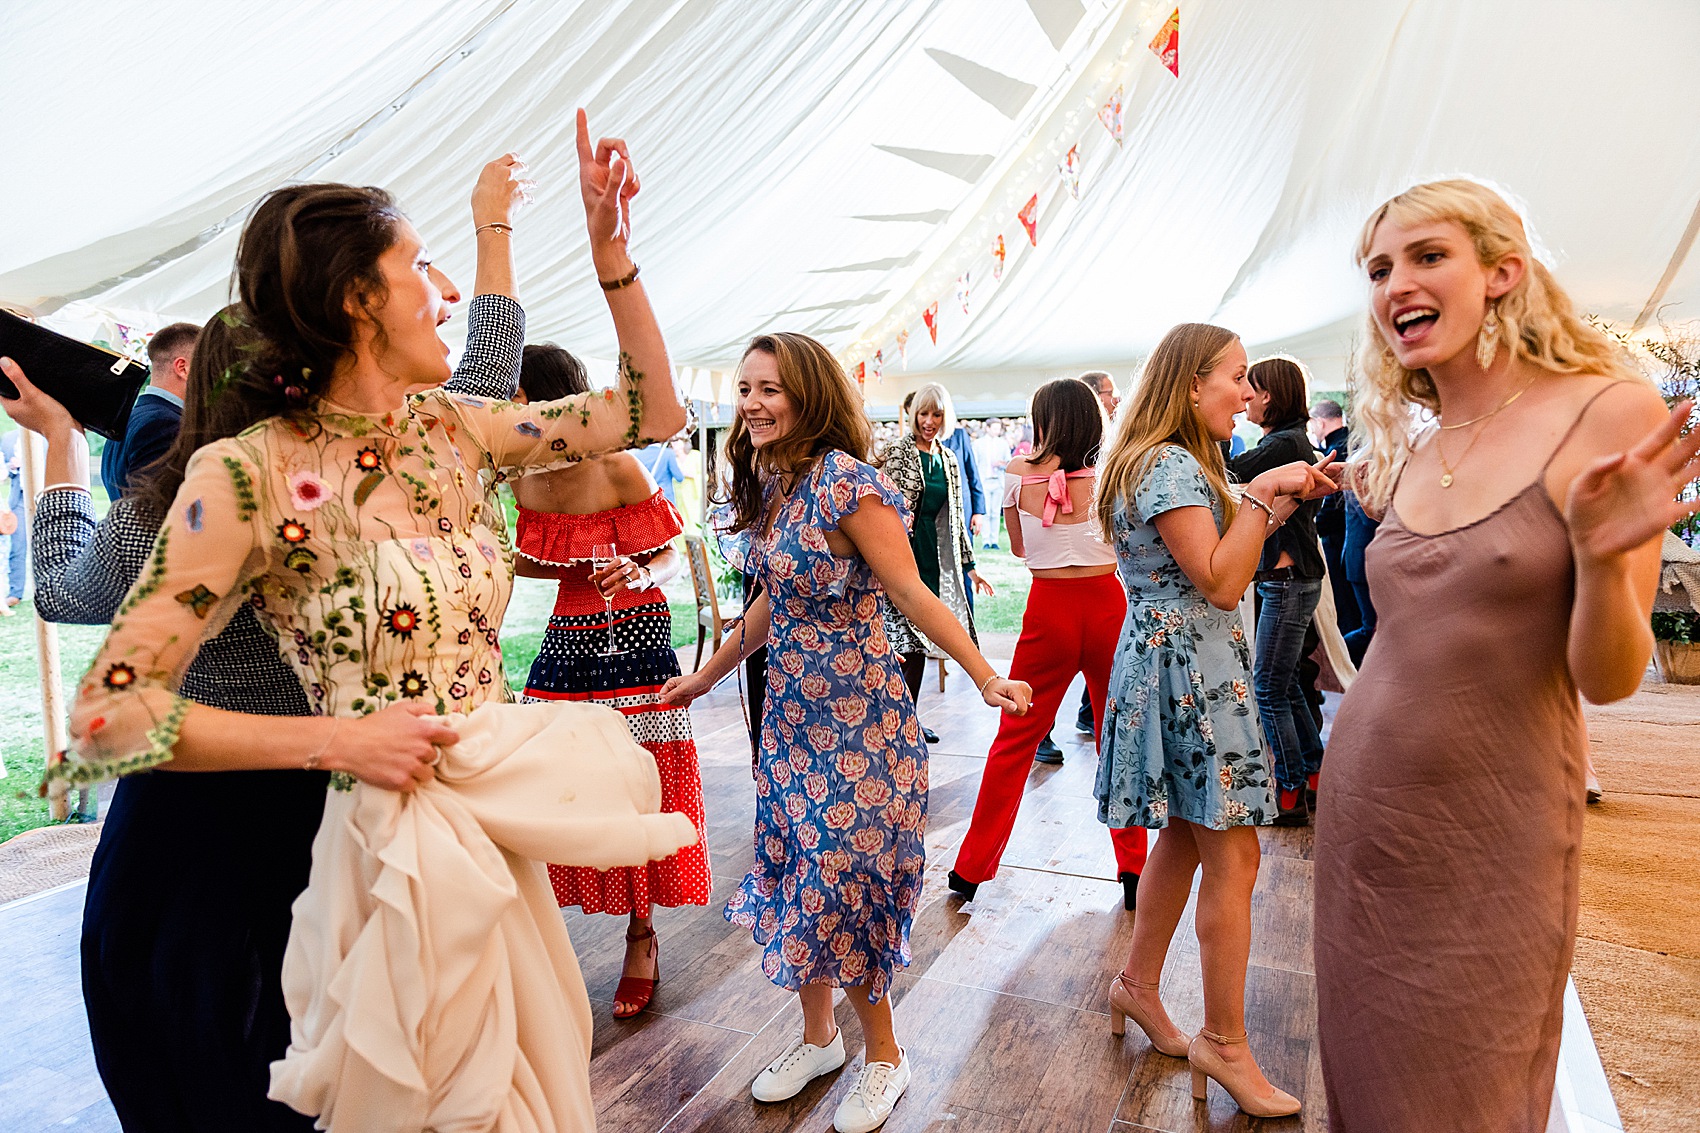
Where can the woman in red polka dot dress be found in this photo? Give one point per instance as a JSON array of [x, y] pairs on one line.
[[563, 514]]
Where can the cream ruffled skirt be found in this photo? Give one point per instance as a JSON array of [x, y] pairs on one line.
[[429, 978]]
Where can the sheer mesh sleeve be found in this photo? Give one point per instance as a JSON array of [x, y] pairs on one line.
[[127, 713]]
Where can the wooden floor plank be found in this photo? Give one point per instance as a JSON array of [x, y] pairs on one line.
[[1003, 1009]]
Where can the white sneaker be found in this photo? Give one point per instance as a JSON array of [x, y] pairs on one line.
[[801, 1064], [873, 1097]]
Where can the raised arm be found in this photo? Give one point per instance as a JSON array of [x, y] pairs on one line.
[[608, 182], [495, 327], [83, 568]]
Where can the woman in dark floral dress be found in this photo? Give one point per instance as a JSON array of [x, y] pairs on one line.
[[1180, 749], [841, 775]]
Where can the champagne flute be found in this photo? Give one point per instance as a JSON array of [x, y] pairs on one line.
[[603, 556]]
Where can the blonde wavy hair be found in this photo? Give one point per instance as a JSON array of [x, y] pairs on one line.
[[1161, 412], [1538, 323]]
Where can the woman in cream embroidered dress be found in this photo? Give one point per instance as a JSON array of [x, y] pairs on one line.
[[357, 522]]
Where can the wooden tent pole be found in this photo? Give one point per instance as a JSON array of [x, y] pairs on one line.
[[33, 449]]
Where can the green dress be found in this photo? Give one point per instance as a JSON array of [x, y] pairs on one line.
[[924, 539]]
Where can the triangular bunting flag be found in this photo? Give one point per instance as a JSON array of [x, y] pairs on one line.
[[1029, 218], [962, 285], [1069, 170], [1167, 45], [879, 366], [903, 348], [1110, 114], [931, 317], [998, 257], [861, 374]]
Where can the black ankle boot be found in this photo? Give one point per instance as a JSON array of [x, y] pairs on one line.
[[963, 889], [1130, 890]]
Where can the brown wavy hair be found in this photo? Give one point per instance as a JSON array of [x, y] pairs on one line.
[[829, 416]]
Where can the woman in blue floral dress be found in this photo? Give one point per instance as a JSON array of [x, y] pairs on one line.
[[841, 775], [1180, 749]]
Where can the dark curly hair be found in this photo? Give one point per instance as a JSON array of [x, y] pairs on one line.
[[305, 252]]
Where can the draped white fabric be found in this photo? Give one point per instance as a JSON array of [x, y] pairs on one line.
[[833, 167], [457, 1004]]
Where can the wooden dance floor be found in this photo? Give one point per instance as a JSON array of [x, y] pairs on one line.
[[1002, 1010]]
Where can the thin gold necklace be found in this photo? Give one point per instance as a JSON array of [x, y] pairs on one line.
[[1446, 476], [1466, 424]]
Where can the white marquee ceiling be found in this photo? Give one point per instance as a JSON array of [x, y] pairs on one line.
[[834, 166]]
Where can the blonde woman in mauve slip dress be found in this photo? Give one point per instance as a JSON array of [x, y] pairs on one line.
[[1513, 574]]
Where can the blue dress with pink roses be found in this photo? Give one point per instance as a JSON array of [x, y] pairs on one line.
[[841, 776]]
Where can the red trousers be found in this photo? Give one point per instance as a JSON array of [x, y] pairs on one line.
[[1070, 627]]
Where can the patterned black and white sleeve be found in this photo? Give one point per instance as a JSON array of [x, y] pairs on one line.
[[495, 338], [83, 568]]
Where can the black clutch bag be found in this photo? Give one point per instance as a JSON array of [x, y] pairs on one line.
[[97, 386]]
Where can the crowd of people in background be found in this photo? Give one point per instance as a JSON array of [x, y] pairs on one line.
[[304, 526]]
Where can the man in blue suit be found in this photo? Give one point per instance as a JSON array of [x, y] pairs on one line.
[[159, 409]]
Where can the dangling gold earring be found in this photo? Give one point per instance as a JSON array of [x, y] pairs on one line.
[[1487, 339]]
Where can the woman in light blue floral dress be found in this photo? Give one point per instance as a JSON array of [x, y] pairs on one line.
[[841, 774], [1180, 748]]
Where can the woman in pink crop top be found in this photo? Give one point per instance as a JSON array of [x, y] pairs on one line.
[[563, 514], [1074, 613]]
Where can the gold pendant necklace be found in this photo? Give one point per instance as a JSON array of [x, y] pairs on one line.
[[1446, 476]]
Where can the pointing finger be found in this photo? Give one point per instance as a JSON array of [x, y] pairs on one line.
[[585, 156]]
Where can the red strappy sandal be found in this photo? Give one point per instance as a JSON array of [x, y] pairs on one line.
[[632, 989]]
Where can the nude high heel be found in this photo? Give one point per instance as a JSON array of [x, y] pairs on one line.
[[1123, 1006], [1207, 1064]]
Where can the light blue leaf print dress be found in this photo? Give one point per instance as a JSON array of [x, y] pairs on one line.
[[841, 777], [1181, 737]]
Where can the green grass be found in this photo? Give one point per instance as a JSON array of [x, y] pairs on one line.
[[24, 752], [21, 743]]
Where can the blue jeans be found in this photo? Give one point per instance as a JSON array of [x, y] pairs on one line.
[[1286, 609]]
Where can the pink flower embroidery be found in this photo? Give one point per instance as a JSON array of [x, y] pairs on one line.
[[307, 491]]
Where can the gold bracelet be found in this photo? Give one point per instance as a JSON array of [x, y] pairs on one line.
[[499, 226], [624, 281], [312, 763]]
